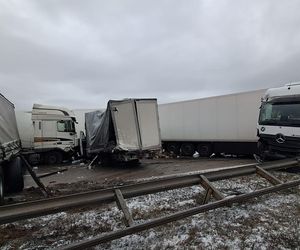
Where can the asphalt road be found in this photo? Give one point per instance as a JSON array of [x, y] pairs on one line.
[[147, 169]]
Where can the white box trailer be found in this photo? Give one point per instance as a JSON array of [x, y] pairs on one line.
[[221, 124], [11, 177], [125, 131]]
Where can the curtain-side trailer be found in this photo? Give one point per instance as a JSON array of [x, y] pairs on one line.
[[221, 124], [11, 177]]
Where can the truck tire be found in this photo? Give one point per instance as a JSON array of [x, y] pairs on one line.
[[187, 149], [262, 148], [173, 147], [33, 159], [14, 176], [54, 157], [204, 150], [1, 186]]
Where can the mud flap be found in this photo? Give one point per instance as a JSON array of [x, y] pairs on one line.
[[14, 176]]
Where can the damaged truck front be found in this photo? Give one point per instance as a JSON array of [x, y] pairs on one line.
[[278, 126], [126, 131], [11, 177]]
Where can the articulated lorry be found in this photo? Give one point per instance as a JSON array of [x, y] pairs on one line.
[[124, 131], [47, 134], [279, 122], [221, 124], [11, 177]]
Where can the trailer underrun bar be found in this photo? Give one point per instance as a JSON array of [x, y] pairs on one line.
[[12, 213]]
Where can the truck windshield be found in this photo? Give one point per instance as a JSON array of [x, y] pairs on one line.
[[65, 126], [280, 113]]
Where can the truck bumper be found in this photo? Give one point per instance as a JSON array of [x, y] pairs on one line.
[[290, 147]]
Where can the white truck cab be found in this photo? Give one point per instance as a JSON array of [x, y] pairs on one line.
[[278, 126], [54, 134]]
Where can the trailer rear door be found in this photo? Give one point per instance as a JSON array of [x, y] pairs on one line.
[[147, 114], [125, 123]]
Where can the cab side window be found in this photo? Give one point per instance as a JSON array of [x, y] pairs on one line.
[[65, 126], [61, 126]]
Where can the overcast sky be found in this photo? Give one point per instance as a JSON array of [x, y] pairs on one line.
[[80, 54]]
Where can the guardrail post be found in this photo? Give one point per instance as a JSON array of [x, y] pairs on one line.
[[35, 178], [209, 186], [123, 207], [268, 176]]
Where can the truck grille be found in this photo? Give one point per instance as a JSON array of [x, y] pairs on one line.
[[290, 145]]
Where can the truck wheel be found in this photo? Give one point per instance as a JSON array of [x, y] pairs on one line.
[[187, 149], [14, 176], [33, 159], [204, 150], [262, 148], [54, 157], [173, 147], [1, 186]]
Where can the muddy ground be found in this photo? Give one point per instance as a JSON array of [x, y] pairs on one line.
[[114, 174], [269, 222]]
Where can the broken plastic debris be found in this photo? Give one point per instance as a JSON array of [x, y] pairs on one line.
[[196, 154]]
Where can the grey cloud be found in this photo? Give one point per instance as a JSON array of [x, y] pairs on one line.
[[81, 54]]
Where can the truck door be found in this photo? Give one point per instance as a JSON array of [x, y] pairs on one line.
[[49, 133], [65, 133], [38, 134], [147, 114], [125, 123]]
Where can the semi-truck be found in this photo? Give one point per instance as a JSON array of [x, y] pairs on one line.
[[47, 134], [220, 124], [11, 177], [51, 134], [279, 122]]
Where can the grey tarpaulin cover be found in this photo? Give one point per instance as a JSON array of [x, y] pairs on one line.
[[99, 131], [8, 125], [9, 135]]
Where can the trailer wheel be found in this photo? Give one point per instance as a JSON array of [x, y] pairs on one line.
[[54, 157], [187, 149], [1, 186], [204, 150], [14, 176], [173, 147]]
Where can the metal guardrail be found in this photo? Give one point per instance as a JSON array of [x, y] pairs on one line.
[[33, 209]]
